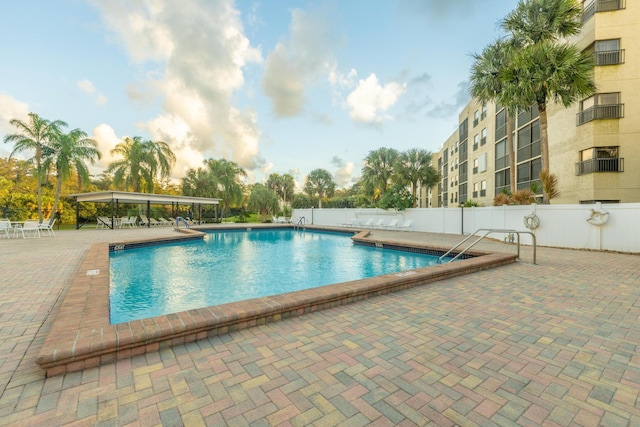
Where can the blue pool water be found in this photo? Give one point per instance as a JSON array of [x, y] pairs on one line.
[[232, 266]]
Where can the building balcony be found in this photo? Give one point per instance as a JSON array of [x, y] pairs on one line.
[[600, 112], [475, 195], [609, 57], [596, 6], [483, 193], [600, 165], [475, 147]]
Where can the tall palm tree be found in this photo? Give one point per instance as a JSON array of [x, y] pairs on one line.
[[35, 134], [70, 152], [413, 167], [544, 66], [141, 162], [263, 200], [228, 178], [319, 183], [377, 171], [488, 84], [199, 183], [283, 185]]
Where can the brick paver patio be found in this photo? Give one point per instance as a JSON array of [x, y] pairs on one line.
[[548, 344]]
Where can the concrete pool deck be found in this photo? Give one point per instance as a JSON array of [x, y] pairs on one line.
[[554, 343]]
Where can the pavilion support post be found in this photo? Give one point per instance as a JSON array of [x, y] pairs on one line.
[[148, 214], [77, 214], [112, 215]]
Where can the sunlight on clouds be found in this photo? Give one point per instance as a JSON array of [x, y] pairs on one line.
[[343, 175], [301, 59], [199, 51], [87, 87], [11, 108], [107, 139], [370, 100]]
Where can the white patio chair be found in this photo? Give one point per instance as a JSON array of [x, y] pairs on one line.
[[47, 226], [5, 226], [405, 226], [392, 224], [30, 226]]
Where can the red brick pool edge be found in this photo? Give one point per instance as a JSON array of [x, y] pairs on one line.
[[82, 337]]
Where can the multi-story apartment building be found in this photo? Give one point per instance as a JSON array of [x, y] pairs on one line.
[[594, 145]]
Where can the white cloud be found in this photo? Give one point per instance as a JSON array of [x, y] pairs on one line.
[[298, 61], [196, 51], [107, 139], [344, 174], [10, 108], [369, 101], [87, 87]]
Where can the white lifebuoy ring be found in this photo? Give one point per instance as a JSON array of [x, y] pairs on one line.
[[598, 217], [532, 221]]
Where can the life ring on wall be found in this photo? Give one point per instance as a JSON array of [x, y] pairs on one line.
[[532, 221], [598, 217]]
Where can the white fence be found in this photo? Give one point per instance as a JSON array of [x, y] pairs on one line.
[[564, 226]]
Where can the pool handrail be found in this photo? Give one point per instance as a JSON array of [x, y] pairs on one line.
[[487, 232]]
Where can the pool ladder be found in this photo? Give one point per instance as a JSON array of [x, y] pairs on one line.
[[488, 231], [301, 222]]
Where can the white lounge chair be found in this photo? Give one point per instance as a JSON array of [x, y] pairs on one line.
[[367, 224], [392, 224], [47, 226], [406, 225], [379, 223]]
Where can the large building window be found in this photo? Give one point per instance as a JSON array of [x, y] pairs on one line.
[[502, 155], [501, 125], [529, 142], [599, 107], [475, 190], [476, 142], [529, 173], [483, 115], [600, 159], [607, 52], [483, 136], [476, 118], [591, 7], [463, 131], [483, 188], [503, 181]]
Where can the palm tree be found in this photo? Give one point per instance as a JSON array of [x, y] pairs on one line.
[[283, 185], [544, 66], [263, 200], [319, 183], [488, 84], [414, 166], [377, 171], [35, 134], [228, 178], [68, 152], [199, 183], [140, 163]]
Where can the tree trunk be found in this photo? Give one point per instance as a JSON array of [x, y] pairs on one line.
[[544, 146], [56, 198], [39, 174], [414, 191], [512, 154]]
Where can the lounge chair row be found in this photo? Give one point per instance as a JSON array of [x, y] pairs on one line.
[[380, 224], [132, 222]]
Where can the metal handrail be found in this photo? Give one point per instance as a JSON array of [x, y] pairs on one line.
[[487, 232], [302, 221]]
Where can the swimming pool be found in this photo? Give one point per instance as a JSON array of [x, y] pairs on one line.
[[232, 265]]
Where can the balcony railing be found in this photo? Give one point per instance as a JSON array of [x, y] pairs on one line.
[[483, 140], [600, 165], [475, 147], [609, 57], [600, 112], [475, 169], [483, 193], [601, 6], [475, 195]]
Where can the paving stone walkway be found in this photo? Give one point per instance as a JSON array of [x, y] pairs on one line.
[[550, 344]]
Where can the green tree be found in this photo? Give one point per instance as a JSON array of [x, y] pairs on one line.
[[319, 183], [263, 200], [70, 152], [141, 162], [35, 134], [414, 167], [199, 183], [544, 66], [283, 185], [488, 84], [377, 171], [227, 176]]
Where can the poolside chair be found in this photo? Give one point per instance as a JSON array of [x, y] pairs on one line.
[[47, 226], [379, 224], [392, 224], [30, 226], [128, 221], [154, 222], [367, 224], [405, 226], [144, 221], [5, 226], [164, 222]]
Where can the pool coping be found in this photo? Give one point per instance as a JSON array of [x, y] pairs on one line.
[[81, 336]]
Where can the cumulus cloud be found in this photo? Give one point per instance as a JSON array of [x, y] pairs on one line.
[[437, 10], [303, 58], [194, 53], [344, 174], [370, 100], [87, 87], [10, 108]]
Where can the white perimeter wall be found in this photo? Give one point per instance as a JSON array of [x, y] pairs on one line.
[[562, 226]]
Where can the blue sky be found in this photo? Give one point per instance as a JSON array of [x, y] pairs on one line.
[[276, 86]]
